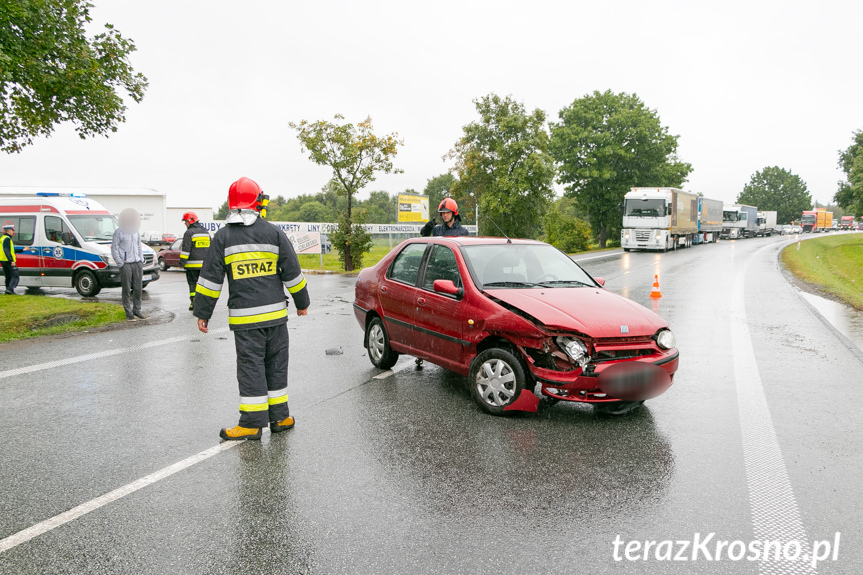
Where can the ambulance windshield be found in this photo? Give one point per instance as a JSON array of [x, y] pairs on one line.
[[94, 227]]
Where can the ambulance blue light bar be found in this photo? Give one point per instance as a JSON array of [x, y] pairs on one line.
[[61, 194]]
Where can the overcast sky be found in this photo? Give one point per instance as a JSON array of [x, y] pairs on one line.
[[744, 84]]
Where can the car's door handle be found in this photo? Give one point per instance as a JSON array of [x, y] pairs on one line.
[[421, 301], [384, 289]]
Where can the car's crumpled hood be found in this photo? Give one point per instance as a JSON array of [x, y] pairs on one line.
[[595, 312]]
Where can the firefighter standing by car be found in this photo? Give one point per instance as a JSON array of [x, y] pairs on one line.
[[196, 242], [451, 226], [8, 259], [260, 264]]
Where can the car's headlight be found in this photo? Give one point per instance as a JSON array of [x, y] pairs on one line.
[[575, 349], [108, 260], [665, 339]]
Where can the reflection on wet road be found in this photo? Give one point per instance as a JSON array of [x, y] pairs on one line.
[[405, 474]]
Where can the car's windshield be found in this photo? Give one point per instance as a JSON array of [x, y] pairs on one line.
[[94, 227], [645, 208], [523, 266]]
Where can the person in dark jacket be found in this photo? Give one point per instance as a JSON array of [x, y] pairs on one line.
[[451, 226], [196, 242], [260, 264]]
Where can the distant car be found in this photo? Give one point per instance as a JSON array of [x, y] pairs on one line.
[[151, 238], [170, 256], [168, 239], [796, 229], [511, 316], [782, 229]]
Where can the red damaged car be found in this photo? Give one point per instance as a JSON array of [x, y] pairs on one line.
[[513, 316]]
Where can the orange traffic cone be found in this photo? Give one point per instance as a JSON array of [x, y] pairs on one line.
[[654, 292]]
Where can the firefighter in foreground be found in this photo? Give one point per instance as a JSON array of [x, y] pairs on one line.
[[451, 226], [8, 258], [196, 242], [260, 264]]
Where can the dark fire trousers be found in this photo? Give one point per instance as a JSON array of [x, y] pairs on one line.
[[192, 275], [262, 372]]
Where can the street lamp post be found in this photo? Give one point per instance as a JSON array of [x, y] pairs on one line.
[[476, 216]]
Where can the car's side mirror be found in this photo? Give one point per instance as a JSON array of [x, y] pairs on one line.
[[447, 286], [600, 281]]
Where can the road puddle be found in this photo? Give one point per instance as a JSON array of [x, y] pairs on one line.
[[845, 318]]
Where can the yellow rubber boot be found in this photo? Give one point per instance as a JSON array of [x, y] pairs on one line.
[[282, 425], [236, 433]]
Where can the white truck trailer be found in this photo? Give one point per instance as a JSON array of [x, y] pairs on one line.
[[766, 223], [659, 219], [739, 221]]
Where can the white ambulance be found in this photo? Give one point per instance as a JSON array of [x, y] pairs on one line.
[[64, 240]]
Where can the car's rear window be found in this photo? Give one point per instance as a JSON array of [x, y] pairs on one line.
[[523, 266], [406, 265]]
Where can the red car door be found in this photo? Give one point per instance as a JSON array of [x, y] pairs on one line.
[[440, 318], [398, 297]]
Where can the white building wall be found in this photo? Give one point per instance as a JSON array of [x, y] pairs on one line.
[[174, 223]]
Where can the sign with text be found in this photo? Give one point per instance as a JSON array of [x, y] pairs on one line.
[[413, 208], [305, 242]]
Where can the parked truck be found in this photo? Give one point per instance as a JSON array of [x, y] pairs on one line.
[[846, 222], [739, 221], [817, 220], [709, 220], [766, 223], [659, 219]]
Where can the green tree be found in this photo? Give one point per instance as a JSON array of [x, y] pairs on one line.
[[565, 229], [315, 211], [355, 155], [849, 195], [381, 207], [607, 143], [51, 72], [777, 189], [503, 160], [222, 212]]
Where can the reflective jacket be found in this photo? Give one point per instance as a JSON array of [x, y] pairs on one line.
[[7, 253], [260, 264], [196, 242]]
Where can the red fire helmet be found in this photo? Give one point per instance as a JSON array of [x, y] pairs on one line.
[[243, 195], [448, 205], [190, 217]]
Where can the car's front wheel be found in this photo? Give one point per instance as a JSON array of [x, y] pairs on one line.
[[378, 345], [496, 379], [162, 265], [87, 284]]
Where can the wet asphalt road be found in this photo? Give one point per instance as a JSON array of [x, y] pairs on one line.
[[405, 474]]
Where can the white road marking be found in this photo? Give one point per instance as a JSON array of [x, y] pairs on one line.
[[99, 354], [775, 515], [119, 351], [76, 512], [384, 375]]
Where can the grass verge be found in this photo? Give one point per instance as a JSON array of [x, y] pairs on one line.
[[25, 316], [833, 263], [332, 263]]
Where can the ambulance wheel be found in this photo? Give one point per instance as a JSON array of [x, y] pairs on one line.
[[87, 284], [378, 345]]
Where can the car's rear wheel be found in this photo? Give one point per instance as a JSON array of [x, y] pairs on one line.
[[87, 284], [496, 379], [162, 265], [378, 345], [617, 407]]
